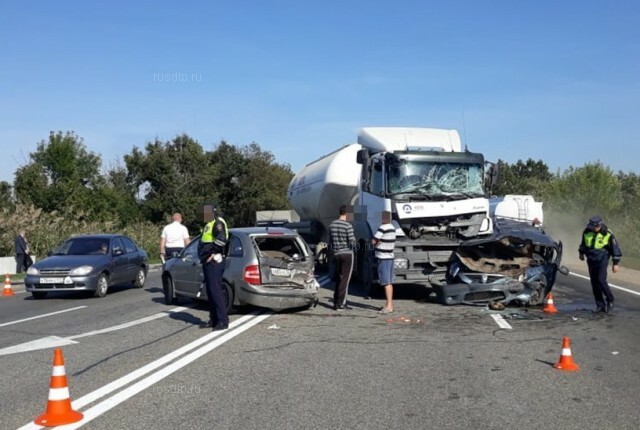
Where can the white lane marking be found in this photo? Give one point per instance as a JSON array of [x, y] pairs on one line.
[[34, 345], [126, 379], [501, 321], [42, 316], [55, 341], [611, 285], [141, 385], [129, 324]]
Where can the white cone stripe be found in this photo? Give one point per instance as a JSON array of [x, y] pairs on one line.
[[59, 393], [566, 351], [58, 371]]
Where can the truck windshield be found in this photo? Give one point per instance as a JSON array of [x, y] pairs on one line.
[[435, 178]]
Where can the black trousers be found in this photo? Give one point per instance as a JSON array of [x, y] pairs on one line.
[[343, 266], [599, 285], [217, 301], [21, 263]]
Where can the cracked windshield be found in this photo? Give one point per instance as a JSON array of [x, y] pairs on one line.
[[435, 178]]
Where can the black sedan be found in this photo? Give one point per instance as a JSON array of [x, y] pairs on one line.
[[89, 263]]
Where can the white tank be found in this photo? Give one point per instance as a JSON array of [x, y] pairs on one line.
[[517, 207], [321, 187]]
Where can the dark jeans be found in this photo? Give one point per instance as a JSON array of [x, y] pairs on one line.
[[599, 285], [217, 303], [344, 267]]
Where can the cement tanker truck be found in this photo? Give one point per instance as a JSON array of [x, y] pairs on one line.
[[434, 190]]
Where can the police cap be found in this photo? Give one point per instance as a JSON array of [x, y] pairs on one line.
[[595, 221]]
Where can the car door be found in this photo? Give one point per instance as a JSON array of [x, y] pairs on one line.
[[133, 258], [119, 262], [187, 270]]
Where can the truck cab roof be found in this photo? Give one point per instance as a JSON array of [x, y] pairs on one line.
[[389, 139]]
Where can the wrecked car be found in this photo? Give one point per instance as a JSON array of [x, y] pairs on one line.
[[517, 264], [270, 267]]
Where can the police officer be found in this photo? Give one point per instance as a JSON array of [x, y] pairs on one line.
[[598, 244], [211, 250]]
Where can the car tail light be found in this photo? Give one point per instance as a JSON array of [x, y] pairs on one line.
[[252, 275]]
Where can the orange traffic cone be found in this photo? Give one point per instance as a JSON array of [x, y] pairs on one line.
[[7, 290], [566, 359], [59, 410], [549, 307]]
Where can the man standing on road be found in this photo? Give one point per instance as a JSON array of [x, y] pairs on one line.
[[22, 252], [598, 244], [384, 241], [175, 236], [211, 250], [341, 244]]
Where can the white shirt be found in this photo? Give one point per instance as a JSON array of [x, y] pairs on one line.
[[174, 235]]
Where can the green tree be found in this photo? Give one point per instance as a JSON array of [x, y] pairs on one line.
[[523, 177], [250, 180], [172, 176], [61, 174], [6, 195]]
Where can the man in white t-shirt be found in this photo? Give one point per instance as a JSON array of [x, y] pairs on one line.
[[174, 237]]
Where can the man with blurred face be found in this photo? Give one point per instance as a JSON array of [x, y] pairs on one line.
[[174, 238], [598, 244]]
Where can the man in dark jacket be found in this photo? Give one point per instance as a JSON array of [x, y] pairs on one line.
[[598, 244], [22, 252]]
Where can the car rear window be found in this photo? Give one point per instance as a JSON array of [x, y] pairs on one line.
[[279, 246]]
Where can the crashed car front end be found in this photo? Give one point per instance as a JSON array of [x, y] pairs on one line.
[[518, 264]]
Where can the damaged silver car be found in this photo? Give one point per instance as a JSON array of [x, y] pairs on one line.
[[517, 264], [269, 267]]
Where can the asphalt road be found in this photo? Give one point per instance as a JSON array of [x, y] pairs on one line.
[[137, 363]]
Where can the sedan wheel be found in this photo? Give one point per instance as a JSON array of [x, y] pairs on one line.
[[102, 287], [169, 295], [227, 293], [141, 277]]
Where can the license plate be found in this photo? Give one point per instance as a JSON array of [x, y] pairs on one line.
[[51, 280], [280, 272]]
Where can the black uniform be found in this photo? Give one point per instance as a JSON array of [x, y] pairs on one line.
[[598, 247], [213, 242]]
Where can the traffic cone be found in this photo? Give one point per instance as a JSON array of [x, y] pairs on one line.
[[549, 307], [59, 410], [566, 359], [7, 290]]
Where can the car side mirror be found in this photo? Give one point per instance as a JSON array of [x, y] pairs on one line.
[[49, 253]]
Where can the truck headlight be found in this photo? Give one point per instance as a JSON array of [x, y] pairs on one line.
[[81, 271], [485, 226], [400, 263], [32, 271]]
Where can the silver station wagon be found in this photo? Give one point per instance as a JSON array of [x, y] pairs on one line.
[[270, 267]]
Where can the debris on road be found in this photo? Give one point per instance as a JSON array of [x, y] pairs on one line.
[[273, 327]]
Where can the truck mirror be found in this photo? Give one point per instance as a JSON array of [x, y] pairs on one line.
[[361, 156]]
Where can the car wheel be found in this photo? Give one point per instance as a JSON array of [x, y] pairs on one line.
[[102, 287], [227, 293], [169, 292], [141, 277], [39, 294]]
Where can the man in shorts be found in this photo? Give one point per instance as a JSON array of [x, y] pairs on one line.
[[384, 241]]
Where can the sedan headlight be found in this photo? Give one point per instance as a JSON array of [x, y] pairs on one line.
[[81, 271], [400, 263], [32, 271]]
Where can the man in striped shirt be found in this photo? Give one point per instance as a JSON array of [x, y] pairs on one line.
[[341, 243], [384, 241]]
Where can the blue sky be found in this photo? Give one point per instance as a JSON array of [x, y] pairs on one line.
[[551, 80]]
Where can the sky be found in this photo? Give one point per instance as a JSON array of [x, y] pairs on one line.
[[550, 80]]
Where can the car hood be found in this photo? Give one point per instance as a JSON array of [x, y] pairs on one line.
[[63, 262]]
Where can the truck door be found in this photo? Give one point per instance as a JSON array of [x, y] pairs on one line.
[[373, 198]]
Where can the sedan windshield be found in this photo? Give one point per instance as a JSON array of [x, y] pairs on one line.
[[83, 246], [435, 178]]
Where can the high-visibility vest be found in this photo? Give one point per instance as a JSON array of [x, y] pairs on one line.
[[593, 240], [208, 236]]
